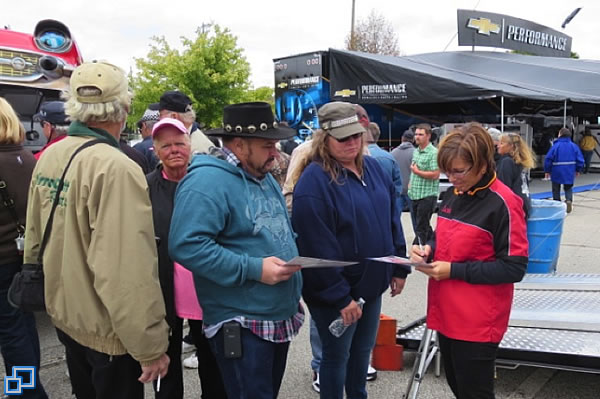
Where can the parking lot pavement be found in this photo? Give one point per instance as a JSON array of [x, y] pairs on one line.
[[579, 253]]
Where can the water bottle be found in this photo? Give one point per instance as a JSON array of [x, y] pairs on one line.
[[337, 327]]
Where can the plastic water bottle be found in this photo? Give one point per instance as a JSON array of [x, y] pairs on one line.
[[337, 327]]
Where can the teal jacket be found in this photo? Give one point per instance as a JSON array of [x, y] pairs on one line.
[[224, 223]]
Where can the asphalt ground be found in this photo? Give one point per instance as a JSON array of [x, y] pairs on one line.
[[579, 253]]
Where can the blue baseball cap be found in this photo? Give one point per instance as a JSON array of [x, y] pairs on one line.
[[52, 112]]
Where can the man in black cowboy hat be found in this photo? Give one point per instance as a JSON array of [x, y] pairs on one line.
[[237, 247]]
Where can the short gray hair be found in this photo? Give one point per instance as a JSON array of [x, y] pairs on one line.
[[375, 131], [113, 111]]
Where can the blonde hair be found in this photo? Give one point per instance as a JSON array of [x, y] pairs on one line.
[[11, 129], [319, 152], [520, 151], [114, 111]]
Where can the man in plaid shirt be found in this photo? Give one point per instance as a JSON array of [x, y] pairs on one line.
[[424, 183]]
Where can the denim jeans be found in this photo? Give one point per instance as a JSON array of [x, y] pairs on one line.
[[345, 359], [257, 374], [19, 342], [315, 346], [587, 158], [556, 191]]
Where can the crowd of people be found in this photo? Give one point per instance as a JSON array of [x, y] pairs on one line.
[[192, 225]]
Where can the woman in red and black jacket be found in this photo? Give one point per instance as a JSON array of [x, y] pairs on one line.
[[479, 250]]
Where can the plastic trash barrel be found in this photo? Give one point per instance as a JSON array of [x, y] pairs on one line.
[[544, 231]]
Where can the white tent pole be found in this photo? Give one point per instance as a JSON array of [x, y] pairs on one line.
[[502, 114], [565, 115]]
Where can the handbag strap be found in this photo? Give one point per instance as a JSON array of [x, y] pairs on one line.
[[61, 183], [9, 203]]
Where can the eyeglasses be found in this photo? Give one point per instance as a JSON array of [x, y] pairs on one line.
[[353, 137], [458, 173]]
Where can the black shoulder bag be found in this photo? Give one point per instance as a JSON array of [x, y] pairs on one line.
[[26, 292]]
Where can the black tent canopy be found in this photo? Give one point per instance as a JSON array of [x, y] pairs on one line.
[[460, 76]]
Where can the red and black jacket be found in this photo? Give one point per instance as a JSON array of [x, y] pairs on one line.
[[483, 234]]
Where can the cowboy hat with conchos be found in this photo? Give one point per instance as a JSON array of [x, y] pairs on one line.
[[251, 120]]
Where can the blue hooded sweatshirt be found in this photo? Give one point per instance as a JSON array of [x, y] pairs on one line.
[[350, 220], [224, 223], [563, 160]]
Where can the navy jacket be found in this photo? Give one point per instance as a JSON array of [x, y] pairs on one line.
[[351, 221], [563, 160]]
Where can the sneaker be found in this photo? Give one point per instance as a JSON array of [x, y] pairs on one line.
[[569, 206], [371, 374], [185, 347], [191, 362], [315, 382]]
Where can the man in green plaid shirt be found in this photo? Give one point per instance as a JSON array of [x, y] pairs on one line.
[[424, 183]]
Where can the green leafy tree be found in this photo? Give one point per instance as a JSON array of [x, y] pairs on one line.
[[263, 93], [211, 69], [374, 35]]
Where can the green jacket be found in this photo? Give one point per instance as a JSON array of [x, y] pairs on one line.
[[100, 263]]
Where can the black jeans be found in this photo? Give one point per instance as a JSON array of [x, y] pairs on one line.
[[556, 191], [19, 341], [469, 367], [422, 210], [211, 381], [171, 385], [96, 375]]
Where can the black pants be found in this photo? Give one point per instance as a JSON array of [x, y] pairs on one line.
[[423, 209], [96, 375], [171, 386], [211, 381], [469, 367]]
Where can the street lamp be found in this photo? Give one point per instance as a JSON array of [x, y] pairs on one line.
[[570, 17]]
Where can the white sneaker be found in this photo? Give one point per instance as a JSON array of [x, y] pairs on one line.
[[371, 373], [185, 347], [191, 362], [315, 382]]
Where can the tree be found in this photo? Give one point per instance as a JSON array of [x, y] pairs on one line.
[[210, 69], [374, 35]]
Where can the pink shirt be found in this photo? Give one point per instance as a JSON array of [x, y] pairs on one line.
[[186, 301]]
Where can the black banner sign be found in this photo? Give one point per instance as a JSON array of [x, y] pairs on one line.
[[477, 28]]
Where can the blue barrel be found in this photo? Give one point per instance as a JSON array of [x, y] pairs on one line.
[[544, 231]]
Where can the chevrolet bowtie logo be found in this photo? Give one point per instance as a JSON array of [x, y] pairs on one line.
[[483, 25], [344, 93]]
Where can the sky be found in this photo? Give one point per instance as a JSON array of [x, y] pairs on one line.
[[118, 31]]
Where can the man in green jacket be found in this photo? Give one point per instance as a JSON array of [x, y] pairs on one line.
[[100, 263]]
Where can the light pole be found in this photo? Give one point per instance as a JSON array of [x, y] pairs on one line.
[[352, 27]]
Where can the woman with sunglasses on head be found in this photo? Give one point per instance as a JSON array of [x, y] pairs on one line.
[[478, 251], [516, 158], [344, 209]]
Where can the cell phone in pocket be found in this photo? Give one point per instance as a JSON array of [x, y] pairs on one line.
[[232, 340]]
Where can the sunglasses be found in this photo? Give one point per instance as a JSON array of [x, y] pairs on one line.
[[458, 173], [353, 137]]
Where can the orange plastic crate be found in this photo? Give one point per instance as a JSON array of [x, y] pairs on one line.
[[388, 357], [386, 335]]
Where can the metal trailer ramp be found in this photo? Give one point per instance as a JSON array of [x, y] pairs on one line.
[[554, 323]]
